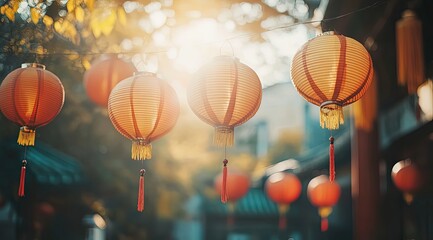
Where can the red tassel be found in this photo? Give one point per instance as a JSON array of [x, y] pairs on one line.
[[324, 225], [22, 179], [224, 196], [140, 204], [282, 222], [331, 160]]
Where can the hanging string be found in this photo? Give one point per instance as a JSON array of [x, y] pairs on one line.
[[285, 26]]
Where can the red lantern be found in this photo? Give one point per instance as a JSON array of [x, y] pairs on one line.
[[101, 78], [225, 93], [30, 97], [143, 108], [323, 194], [238, 185], [283, 189], [332, 71], [407, 177]]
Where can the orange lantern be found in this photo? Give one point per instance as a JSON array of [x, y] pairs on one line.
[[283, 189], [101, 78], [323, 194], [407, 177], [225, 93], [238, 185], [30, 97], [332, 71], [143, 108]]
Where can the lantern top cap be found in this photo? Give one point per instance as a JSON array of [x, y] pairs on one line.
[[328, 33], [408, 13], [144, 73], [227, 56], [34, 65]]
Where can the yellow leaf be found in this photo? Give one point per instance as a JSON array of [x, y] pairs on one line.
[[121, 16], [86, 64], [70, 5], [35, 15], [79, 14], [10, 13], [90, 4], [15, 5], [2, 9], [48, 21], [107, 24]]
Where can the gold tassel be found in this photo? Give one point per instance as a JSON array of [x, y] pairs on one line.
[[224, 136], [408, 198], [410, 58], [331, 116], [141, 150], [26, 137]]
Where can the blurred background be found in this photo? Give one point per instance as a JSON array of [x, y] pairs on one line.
[[81, 182]]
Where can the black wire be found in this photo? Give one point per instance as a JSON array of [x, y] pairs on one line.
[[225, 40]]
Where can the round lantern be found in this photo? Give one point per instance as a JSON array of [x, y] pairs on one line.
[[323, 194], [143, 108], [238, 185], [407, 177], [225, 93], [332, 71], [30, 97], [101, 78], [283, 189]]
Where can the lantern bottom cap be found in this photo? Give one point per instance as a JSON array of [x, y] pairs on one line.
[[141, 150], [331, 115], [26, 136], [224, 136]]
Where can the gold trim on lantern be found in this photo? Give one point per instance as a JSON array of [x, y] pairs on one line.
[[331, 115], [224, 136], [324, 212], [35, 65], [26, 137], [141, 150]]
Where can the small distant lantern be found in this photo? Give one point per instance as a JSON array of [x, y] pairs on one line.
[[31, 97], [283, 189], [323, 194], [104, 74], [143, 108], [225, 93], [332, 71], [407, 177], [238, 185]]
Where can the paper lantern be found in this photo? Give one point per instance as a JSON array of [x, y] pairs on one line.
[[143, 108], [225, 93], [101, 78], [283, 189], [238, 185], [410, 53], [323, 194], [407, 177], [332, 71], [30, 97]]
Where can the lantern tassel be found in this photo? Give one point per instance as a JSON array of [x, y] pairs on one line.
[[331, 160], [224, 196], [22, 179], [230, 216], [141, 150], [224, 136], [324, 225], [282, 222], [324, 212], [140, 203], [331, 116], [26, 137]]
